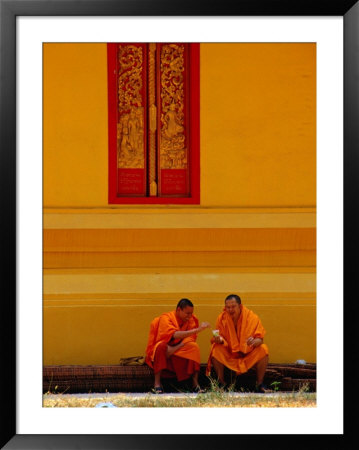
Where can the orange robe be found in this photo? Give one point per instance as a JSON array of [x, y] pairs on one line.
[[248, 325], [162, 329]]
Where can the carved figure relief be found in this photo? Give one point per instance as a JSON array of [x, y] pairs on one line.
[[173, 153], [130, 139], [130, 127]]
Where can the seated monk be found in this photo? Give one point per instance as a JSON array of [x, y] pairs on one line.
[[239, 345], [172, 350]]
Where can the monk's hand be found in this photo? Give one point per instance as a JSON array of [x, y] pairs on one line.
[[173, 348], [218, 340], [255, 342], [204, 325]]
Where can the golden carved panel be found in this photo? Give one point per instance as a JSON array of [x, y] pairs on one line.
[[130, 126], [173, 152]]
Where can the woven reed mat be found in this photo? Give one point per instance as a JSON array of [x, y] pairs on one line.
[[138, 377], [117, 378]]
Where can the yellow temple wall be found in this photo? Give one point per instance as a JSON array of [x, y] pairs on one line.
[[109, 269]]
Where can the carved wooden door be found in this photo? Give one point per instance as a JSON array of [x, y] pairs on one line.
[[153, 123]]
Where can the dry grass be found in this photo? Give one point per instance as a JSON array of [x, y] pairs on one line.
[[212, 399]]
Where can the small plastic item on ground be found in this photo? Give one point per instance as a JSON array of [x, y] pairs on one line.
[[105, 405], [300, 361]]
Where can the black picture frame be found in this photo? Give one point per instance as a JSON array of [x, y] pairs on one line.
[[9, 10]]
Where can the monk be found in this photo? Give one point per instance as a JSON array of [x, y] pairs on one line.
[[239, 343], [172, 350]]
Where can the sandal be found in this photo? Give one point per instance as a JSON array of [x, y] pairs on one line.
[[157, 390], [262, 389], [199, 390]]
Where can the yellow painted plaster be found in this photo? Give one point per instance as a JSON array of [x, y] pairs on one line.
[[75, 334], [253, 233], [257, 126], [187, 219]]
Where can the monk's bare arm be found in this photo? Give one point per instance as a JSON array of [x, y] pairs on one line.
[[172, 349], [184, 334]]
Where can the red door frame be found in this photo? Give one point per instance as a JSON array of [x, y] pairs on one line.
[[194, 134]]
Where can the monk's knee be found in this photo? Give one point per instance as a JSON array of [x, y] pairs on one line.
[[160, 350], [262, 351], [191, 344], [264, 348], [266, 353]]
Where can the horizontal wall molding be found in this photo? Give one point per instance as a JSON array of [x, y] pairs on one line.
[[144, 240], [174, 282], [270, 261], [189, 219], [169, 301], [167, 306], [245, 295]]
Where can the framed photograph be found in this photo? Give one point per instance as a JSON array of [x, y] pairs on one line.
[[28, 30]]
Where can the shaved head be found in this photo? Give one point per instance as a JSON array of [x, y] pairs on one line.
[[183, 303], [234, 297]]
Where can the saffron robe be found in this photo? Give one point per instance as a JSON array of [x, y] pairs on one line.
[[234, 353], [162, 329]]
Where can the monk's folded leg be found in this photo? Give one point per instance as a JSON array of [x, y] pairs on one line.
[[183, 367], [160, 359], [231, 360], [256, 355], [173, 366], [190, 350], [239, 364]]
